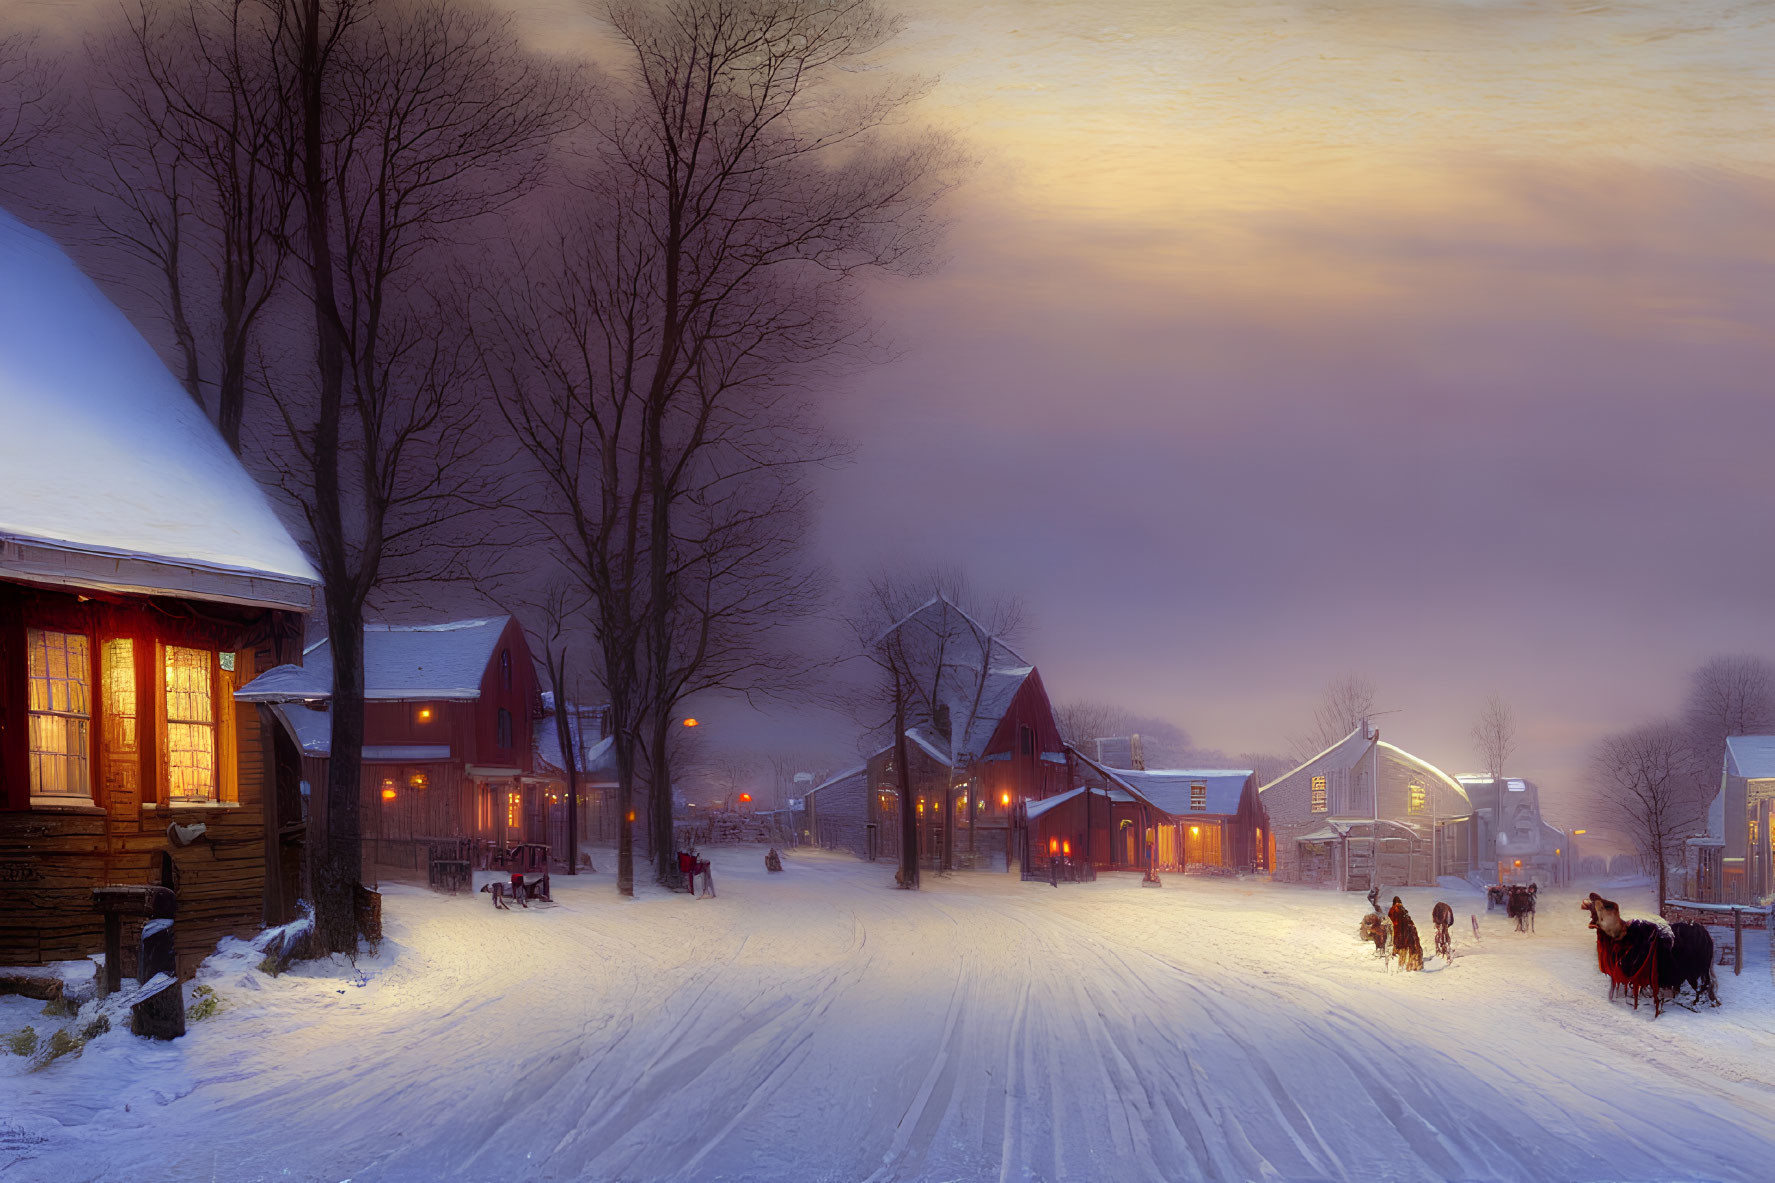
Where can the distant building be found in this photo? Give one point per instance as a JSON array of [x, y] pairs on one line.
[[989, 744], [1170, 819], [1330, 827], [1511, 844]]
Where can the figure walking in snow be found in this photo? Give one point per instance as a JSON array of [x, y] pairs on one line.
[[1406, 945]]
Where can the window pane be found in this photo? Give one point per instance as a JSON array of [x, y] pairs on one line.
[[58, 668], [190, 735], [188, 685], [190, 760], [120, 693]]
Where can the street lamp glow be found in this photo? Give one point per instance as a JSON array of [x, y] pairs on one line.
[[690, 722]]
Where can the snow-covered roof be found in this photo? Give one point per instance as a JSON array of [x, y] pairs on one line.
[[933, 747], [1342, 754], [114, 477], [1751, 756], [402, 662], [1169, 788], [596, 758], [997, 690], [1035, 809], [1432, 770], [839, 778]]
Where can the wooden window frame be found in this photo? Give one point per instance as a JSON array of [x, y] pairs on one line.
[[1198, 796], [223, 723], [1320, 800], [94, 721]]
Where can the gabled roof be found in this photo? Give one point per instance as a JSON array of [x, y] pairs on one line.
[[839, 778], [1036, 809], [314, 733], [114, 477], [1406, 757], [1751, 756], [402, 662], [1342, 754], [1169, 789], [997, 690], [933, 746], [596, 758]]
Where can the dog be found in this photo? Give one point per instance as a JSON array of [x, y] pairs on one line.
[[1649, 955]]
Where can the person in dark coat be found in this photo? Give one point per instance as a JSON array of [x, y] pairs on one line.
[[1405, 936]]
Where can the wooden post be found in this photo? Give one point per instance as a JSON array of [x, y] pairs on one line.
[[113, 953], [1737, 941], [274, 864]]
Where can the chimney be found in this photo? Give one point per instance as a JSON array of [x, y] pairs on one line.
[[1136, 756]]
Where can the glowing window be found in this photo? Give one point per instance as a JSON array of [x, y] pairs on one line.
[[119, 658], [1415, 803], [59, 667], [190, 725], [1319, 805], [1198, 796]]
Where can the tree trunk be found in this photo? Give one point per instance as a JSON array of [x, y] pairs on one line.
[[569, 756], [660, 801], [908, 807], [341, 869], [340, 865], [625, 803]]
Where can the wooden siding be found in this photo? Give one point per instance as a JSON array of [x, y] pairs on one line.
[[52, 858]]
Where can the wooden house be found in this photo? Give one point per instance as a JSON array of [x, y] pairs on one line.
[[982, 742], [143, 577], [1733, 862], [1511, 844], [1329, 826], [449, 726], [1168, 819]]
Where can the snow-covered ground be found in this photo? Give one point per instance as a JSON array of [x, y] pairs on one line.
[[818, 1025]]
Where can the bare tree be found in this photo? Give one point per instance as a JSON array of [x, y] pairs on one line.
[[1163, 744], [1728, 695], [29, 107], [1646, 778], [181, 146], [413, 122], [1494, 735], [706, 283], [1344, 705]]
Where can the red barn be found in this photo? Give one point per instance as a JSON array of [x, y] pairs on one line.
[[449, 723]]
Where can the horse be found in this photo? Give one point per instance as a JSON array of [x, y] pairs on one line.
[[1649, 955], [1521, 906], [1443, 917]]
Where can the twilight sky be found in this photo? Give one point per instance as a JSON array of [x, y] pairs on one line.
[[1423, 338]]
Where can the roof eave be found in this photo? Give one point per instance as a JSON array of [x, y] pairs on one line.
[[65, 564]]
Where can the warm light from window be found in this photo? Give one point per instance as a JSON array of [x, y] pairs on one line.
[[1519, 862], [1066, 848], [1580, 831], [1053, 846], [1195, 829], [631, 815], [425, 714], [1004, 799], [418, 780], [388, 794]]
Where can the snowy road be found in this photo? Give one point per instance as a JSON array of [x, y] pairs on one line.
[[818, 1025]]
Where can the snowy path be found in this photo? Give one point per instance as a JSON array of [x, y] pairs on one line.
[[818, 1025]]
